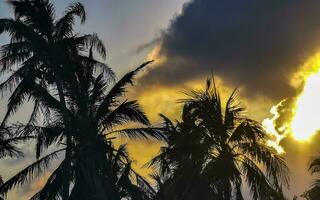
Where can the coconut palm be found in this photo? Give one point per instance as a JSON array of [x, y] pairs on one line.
[[98, 169], [99, 112], [313, 192], [214, 151], [43, 52]]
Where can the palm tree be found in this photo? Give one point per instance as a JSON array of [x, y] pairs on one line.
[[98, 114], [214, 151], [46, 51], [98, 170], [313, 192]]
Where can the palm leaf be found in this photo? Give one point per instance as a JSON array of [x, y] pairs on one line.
[[138, 133], [64, 26], [117, 90], [125, 112], [35, 169], [52, 190]]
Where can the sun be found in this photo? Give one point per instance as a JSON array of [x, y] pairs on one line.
[[306, 119], [303, 116]]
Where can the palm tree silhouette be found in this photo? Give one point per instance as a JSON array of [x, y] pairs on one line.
[[50, 60], [98, 170], [214, 151], [46, 51], [313, 192]]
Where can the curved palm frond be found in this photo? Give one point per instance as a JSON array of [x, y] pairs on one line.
[[91, 41], [52, 190], [126, 112], [258, 183], [64, 26], [138, 133], [35, 169], [117, 90]]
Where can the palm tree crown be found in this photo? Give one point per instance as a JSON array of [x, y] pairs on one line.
[[98, 169], [214, 151]]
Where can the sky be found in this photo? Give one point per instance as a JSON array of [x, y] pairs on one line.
[[267, 49]]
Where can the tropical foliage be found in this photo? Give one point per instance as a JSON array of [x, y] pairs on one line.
[[79, 110], [69, 91], [214, 151], [43, 52]]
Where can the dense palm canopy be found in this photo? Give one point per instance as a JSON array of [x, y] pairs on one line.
[[43, 52], [69, 88], [79, 110], [96, 113], [215, 151]]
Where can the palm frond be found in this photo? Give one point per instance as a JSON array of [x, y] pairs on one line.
[[167, 123], [8, 146], [125, 112], [91, 41], [20, 31], [233, 111], [52, 190], [12, 81], [8, 149], [248, 131], [315, 165], [138, 133], [118, 89], [35, 169], [21, 94], [46, 137], [77, 9], [37, 14], [64, 26], [259, 185], [277, 170]]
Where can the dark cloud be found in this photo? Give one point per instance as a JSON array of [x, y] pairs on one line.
[[252, 44]]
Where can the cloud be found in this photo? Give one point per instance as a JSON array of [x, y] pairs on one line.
[[156, 98], [256, 45]]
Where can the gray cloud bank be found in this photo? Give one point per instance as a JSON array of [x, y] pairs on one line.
[[252, 44]]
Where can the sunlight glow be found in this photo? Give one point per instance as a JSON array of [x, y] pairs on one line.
[[299, 119], [270, 127], [306, 120]]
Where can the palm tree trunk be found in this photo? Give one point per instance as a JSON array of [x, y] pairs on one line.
[[66, 182]]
